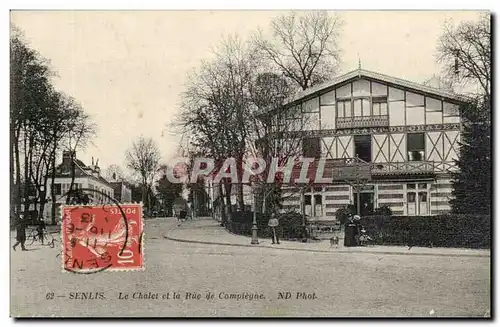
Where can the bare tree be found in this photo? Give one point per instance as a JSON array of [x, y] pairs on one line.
[[42, 122], [304, 47], [143, 158], [30, 90], [233, 108], [275, 131], [114, 172], [465, 53], [216, 106], [79, 129]]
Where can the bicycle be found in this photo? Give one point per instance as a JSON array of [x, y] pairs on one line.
[[45, 239]]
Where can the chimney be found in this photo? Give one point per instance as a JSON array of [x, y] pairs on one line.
[[66, 159]]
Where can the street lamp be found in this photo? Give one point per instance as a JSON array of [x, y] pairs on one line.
[[358, 183], [255, 239]]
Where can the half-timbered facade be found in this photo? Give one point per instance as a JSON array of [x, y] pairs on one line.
[[407, 131]]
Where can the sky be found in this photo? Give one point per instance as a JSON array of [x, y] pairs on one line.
[[128, 69]]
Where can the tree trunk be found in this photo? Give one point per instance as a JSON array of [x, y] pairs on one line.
[[53, 191], [13, 188], [241, 200], [26, 178], [239, 169], [144, 194], [228, 187], [222, 205], [18, 174], [73, 171]]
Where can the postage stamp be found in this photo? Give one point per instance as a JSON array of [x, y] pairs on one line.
[[102, 237]]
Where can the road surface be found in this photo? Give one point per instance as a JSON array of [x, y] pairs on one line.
[[248, 282]]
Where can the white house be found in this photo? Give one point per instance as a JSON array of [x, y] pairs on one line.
[[87, 178]]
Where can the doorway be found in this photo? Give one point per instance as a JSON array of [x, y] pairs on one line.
[[366, 198]]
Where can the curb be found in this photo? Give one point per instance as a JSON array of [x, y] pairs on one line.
[[325, 251]]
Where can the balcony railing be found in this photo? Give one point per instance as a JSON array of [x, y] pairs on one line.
[[368, 121], [409, 167]]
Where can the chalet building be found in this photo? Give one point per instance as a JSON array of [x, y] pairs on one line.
[[409, 133]]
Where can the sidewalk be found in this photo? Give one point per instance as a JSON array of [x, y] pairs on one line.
[[208, 231]]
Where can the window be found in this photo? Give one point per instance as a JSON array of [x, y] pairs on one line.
[[417, 197], [379, 106], [311, 147], [347, 109], [362, 107], [344, 108], [57, 189], [450, 109], [318, 205], [366, 107], [357, 108], [415, 145], [313, 202], [363, 147]]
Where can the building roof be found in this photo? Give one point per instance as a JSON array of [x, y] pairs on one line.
[[360, 73], [81, 170]]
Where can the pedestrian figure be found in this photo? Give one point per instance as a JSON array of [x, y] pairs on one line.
[[20, 233], [350, 232], [357, 231], [273, 223], [40, 229]]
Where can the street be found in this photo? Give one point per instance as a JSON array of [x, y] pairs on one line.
[[326, 284]]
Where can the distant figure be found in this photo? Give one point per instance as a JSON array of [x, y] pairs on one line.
[[357, 231], [273, 223], [349, 231], [20, 233], [40, 228]]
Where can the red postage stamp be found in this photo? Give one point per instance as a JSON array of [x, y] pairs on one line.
[[102, 237]]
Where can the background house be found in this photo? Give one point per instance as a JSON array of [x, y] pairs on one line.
[[122, 191], [87, 178]]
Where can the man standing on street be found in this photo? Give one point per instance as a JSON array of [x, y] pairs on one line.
[[20, 233], [273, 223]]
